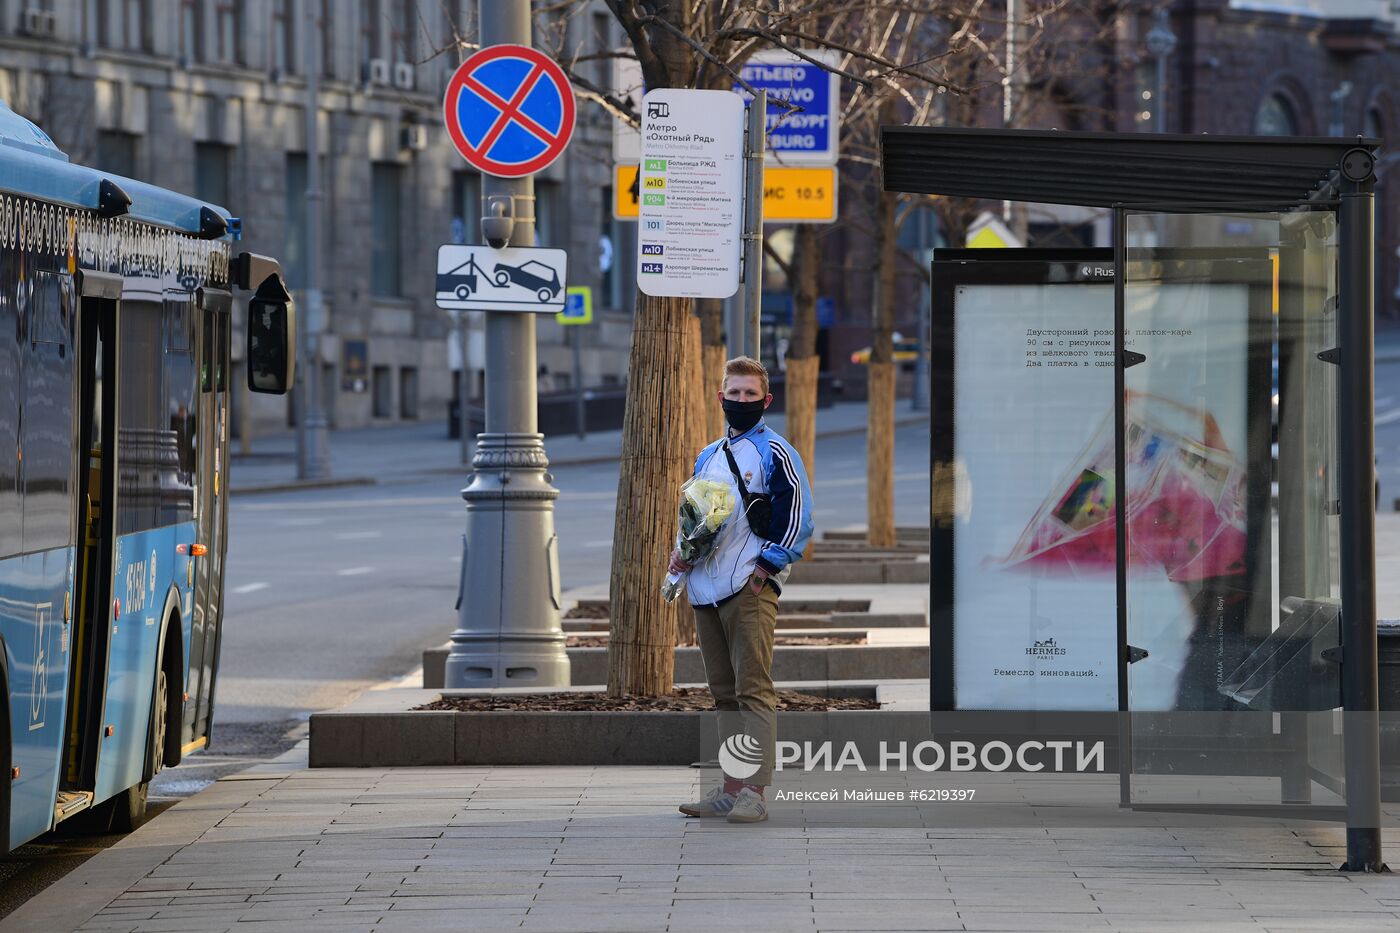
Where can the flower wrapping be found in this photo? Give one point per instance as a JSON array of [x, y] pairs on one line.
[[705, 505]]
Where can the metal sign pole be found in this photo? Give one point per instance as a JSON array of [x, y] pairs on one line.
[[508, 628], [580, 415], [1356, 441], [314, 460], [754, 142]]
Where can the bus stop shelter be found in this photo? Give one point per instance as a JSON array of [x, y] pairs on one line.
[[1271, 544]]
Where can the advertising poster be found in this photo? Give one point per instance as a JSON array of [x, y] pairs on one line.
[[1029, 556]]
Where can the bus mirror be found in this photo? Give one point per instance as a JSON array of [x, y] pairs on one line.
[[271, 338]]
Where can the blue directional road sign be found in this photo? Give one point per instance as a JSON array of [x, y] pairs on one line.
[[811, 135]]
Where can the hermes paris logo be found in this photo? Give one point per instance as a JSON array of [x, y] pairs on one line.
[[1045, 649]]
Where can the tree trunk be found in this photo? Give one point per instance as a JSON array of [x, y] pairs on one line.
[[879, 437], [879, 455], [713, 354], [656, 459], [803, 363]]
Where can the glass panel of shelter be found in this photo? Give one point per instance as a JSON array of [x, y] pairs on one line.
[[1227, 446]]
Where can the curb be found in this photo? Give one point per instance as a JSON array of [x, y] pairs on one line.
[[814, 663], [298, 485]]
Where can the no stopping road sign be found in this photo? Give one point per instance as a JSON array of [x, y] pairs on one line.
[[509, 110]]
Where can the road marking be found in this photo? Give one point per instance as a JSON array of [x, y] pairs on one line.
[[607, 543], [249, 588], [1388, 417], [355, 571], [1385, 402], [358, 535]]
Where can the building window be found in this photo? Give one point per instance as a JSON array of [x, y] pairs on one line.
[[408, 393], [294, 257], [602, 31], [1275, 117], [211, 173], [190, 23], [227, 20], [283, 36], [382, 389], [404, 25], [116, 153], [466, 208], [548, 224], [117, 24], [327, 40], [369, 30], [607, 254], [92, 23], [386, 184]]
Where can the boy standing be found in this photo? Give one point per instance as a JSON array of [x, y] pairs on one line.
[[735, 590]]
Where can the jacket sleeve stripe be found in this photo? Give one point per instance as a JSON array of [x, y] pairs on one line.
[[795, 511]]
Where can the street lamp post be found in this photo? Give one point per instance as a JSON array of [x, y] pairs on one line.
[[508, 630], [1161, 42], [313, 447]]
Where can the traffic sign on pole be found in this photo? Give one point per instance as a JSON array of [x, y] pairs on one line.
[[692, 189], [810, 135], [516, 278], [790, 195], [578, 306], [627, 197], [509, 110]]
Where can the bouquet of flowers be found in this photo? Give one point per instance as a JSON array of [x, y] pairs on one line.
[[705, 504]]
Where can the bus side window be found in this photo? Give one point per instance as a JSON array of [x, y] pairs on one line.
[[47, 425], [10, 521], [206, 353]]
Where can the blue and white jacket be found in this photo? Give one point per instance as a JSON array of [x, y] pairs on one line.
[[768, 464]]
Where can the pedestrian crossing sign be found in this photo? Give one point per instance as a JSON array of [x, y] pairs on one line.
[[578, 306]]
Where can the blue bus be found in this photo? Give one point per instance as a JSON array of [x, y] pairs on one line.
[[115, 305]]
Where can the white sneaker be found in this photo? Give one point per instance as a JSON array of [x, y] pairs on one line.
[[748, 807], [715, 803]]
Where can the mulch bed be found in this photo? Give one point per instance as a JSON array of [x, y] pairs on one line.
[[601, 641], [587, 611], [682, 698]]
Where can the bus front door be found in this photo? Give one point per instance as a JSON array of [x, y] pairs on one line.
[[212, 514]]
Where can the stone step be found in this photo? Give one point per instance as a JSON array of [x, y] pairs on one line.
[[790, 662], [852, 572], [902, 533], [853, 620], [852, 635]]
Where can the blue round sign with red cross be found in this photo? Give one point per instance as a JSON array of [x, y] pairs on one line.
[[509, 110]]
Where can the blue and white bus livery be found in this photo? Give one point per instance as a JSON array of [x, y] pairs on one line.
[[115, 300]]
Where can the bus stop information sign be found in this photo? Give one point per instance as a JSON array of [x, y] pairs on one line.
[[509, 110]]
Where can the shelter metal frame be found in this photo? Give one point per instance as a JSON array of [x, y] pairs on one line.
[[1179, 173]]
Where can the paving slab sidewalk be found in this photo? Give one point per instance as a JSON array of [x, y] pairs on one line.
[[400, 453], [602, 849]]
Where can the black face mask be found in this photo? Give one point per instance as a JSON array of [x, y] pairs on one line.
[[742, 415]]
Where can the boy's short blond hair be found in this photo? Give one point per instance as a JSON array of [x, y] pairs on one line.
[[745, 366]]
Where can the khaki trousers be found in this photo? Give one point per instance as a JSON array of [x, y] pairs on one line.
[[736, 643]]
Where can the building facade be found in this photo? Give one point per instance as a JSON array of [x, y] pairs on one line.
[[208, 97], [1232, 67]]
